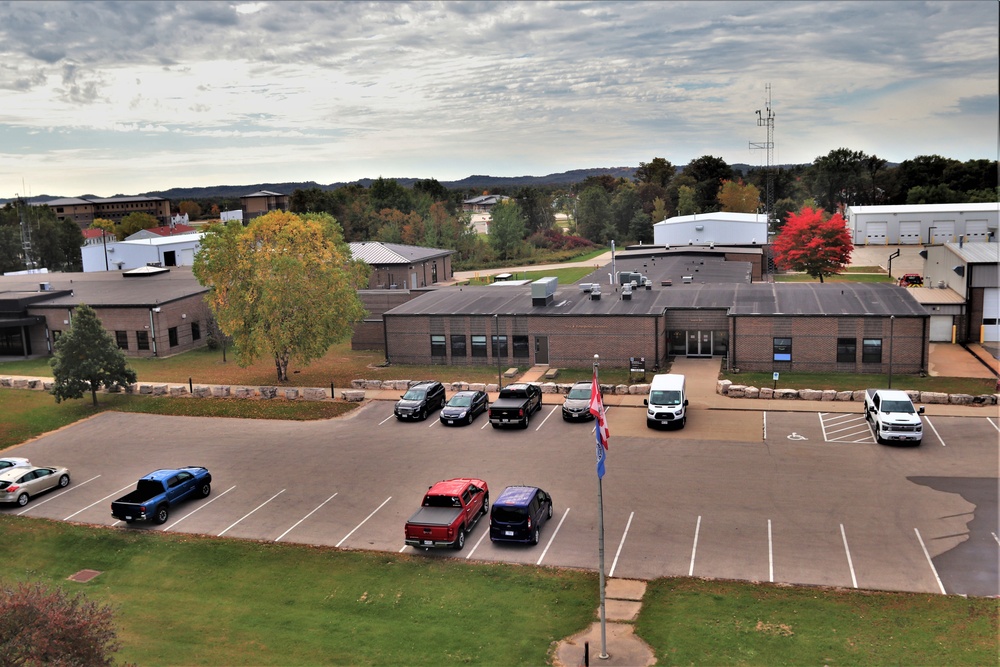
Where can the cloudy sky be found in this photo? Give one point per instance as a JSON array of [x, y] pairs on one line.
[[113, 98]]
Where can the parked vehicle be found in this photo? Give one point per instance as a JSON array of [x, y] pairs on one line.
[[20, 484], [893, 417], [667, 402], [12, 462], [156, 493], [576, 405], [515, 404], [450, 509], [911, 280], [518, 514], [420, 400], [464, 407]]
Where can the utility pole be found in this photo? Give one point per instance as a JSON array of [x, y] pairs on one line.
[[765, 119]]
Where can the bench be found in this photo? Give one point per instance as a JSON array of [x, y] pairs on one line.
[[510, 372], [551, 374]]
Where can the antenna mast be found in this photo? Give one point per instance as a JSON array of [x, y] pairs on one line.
[[766, 119], [22, 205]]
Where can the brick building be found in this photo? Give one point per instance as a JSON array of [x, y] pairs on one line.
[[83, 210], [399, 266]]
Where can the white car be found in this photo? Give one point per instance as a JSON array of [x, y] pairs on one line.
[[13, 462]]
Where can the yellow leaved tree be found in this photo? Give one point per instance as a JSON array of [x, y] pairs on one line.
[[283, 286]]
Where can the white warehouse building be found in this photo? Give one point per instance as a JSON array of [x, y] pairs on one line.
[[730, 229], [917, 224], [176, 250]]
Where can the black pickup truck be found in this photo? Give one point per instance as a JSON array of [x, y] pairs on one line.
[[515, 405]]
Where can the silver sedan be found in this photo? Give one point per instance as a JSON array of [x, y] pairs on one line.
[[19, 485]]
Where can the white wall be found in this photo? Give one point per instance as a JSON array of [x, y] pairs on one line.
[[712, 228]]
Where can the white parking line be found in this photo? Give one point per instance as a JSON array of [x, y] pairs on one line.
[[387, 419], [551, 539], [251, 512], [845, 427], [112, 495], [770, 553], [366, 519], [694, 548], [434, 421], [930, 562], [200, 507], [850, 563], [996, 538], [765, 425], [278, 538], [993, 423], [478, 542], [65, 491], [551, 412], [614, 563], [940, 439]]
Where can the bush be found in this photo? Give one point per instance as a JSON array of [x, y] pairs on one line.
[[42, 626]]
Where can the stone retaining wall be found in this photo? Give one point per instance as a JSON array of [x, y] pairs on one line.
[[727, 388], [547, 387]]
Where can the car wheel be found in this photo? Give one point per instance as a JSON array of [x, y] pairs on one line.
[[495, 425], [423, 414], [684, 421], [486, 504], [64, 480], [204, 490], [22, 499], [162, 514], [460, 540], [535, 536]]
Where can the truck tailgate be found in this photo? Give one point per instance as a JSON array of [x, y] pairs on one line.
[[434, 516]]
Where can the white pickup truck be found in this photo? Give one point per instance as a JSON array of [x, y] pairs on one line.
[[893, 417]]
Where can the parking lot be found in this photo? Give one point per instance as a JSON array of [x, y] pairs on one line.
[[794, 497]]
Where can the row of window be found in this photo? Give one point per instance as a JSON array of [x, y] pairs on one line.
[[847, 350], [142, 337], [499, 345]]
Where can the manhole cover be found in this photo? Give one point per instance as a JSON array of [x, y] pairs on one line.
[[84, 576]]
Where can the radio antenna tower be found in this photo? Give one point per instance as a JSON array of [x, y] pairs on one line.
[[766, 119], [22, 208]]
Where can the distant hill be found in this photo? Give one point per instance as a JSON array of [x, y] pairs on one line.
[[474, 183]]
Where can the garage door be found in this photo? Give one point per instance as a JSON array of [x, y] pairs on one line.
[[941, 328], [942, 231], [991, 315], [875, 233], [909, 232], [975, 230]]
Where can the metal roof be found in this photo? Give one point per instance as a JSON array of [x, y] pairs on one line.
[[103, 288], [976, 252], [378, 253], [755, 218], [924, 208], [856, 299]]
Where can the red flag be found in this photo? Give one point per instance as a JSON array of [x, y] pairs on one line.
[[601, 428]]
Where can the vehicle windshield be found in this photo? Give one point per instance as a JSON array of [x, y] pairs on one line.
[[579, 392], [897, 406], [460, 401], [414, 395], [665, 398]]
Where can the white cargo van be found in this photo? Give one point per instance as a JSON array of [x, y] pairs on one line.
[[667, 402]]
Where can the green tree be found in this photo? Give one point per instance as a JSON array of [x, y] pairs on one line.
[[593, 215], [10, 249], [738, 197], [87, 358], [536, 206], [284, 285], [659, 213], [708, 173], [640, 228], [624, 206], [658, 172], [134, 222], [192, 208], [686, 204], [507, 229]]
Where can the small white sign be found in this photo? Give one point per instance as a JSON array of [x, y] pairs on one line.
[[775, 378]]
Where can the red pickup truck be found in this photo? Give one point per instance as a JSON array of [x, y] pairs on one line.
[[450, 509]]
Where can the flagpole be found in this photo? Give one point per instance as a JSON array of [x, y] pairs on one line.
[[600, 544]]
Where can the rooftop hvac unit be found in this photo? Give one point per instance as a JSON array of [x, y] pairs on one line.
[[543, 290], [45, 287], [687, 280]]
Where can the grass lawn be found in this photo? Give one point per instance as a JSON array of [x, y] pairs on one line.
[[849, 277], [856, 381], [184, 599]]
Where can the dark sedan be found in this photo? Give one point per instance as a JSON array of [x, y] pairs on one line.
[[464, 407]]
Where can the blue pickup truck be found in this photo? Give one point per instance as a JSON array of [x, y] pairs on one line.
[[160, 490]]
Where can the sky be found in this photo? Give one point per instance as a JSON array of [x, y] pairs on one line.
[[109, 98]]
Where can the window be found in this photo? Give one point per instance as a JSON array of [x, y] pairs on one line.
[[172, 335], [847, 350], [458, 345], [479, 346], [521, 348], [121, 337], [438, 348], [871, 350], [782, 349], [195, 331], [501, 349], [142, 340]]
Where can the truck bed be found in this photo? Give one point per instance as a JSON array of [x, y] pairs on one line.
[[435, 516]]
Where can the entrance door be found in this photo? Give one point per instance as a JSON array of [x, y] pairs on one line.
[[699, 343], [541, 349]]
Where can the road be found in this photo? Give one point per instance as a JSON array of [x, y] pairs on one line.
[[801, 498]]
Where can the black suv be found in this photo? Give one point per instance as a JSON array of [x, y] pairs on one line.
[[518, 514], [419, 400]]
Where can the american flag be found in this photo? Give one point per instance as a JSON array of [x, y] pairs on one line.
[[601, 428]]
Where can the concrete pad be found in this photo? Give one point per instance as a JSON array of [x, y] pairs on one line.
[[621, 610], [624, 589], [624, 648]]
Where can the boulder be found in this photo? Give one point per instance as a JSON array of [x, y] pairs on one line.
[[243, 392], [220, 391], [932, 397], [620, 390], [268, 392], [159, 390], [177, 390], [20, 383], [353, 395], [639, 389], [5, 382], [722, 386], [373, 384], [810, 394], [788, 394], [960, 399], [479, 386], [829, 395], [314, 394], [751, 392], [203, 392], [145, 389], [845, 396], [858, 395], [358, 384], [736, 391], [766, 392], [548, 387], [291, 393]]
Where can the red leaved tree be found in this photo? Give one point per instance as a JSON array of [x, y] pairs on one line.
[[815, 246]]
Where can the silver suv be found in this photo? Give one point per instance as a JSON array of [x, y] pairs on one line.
[[576, 405]]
